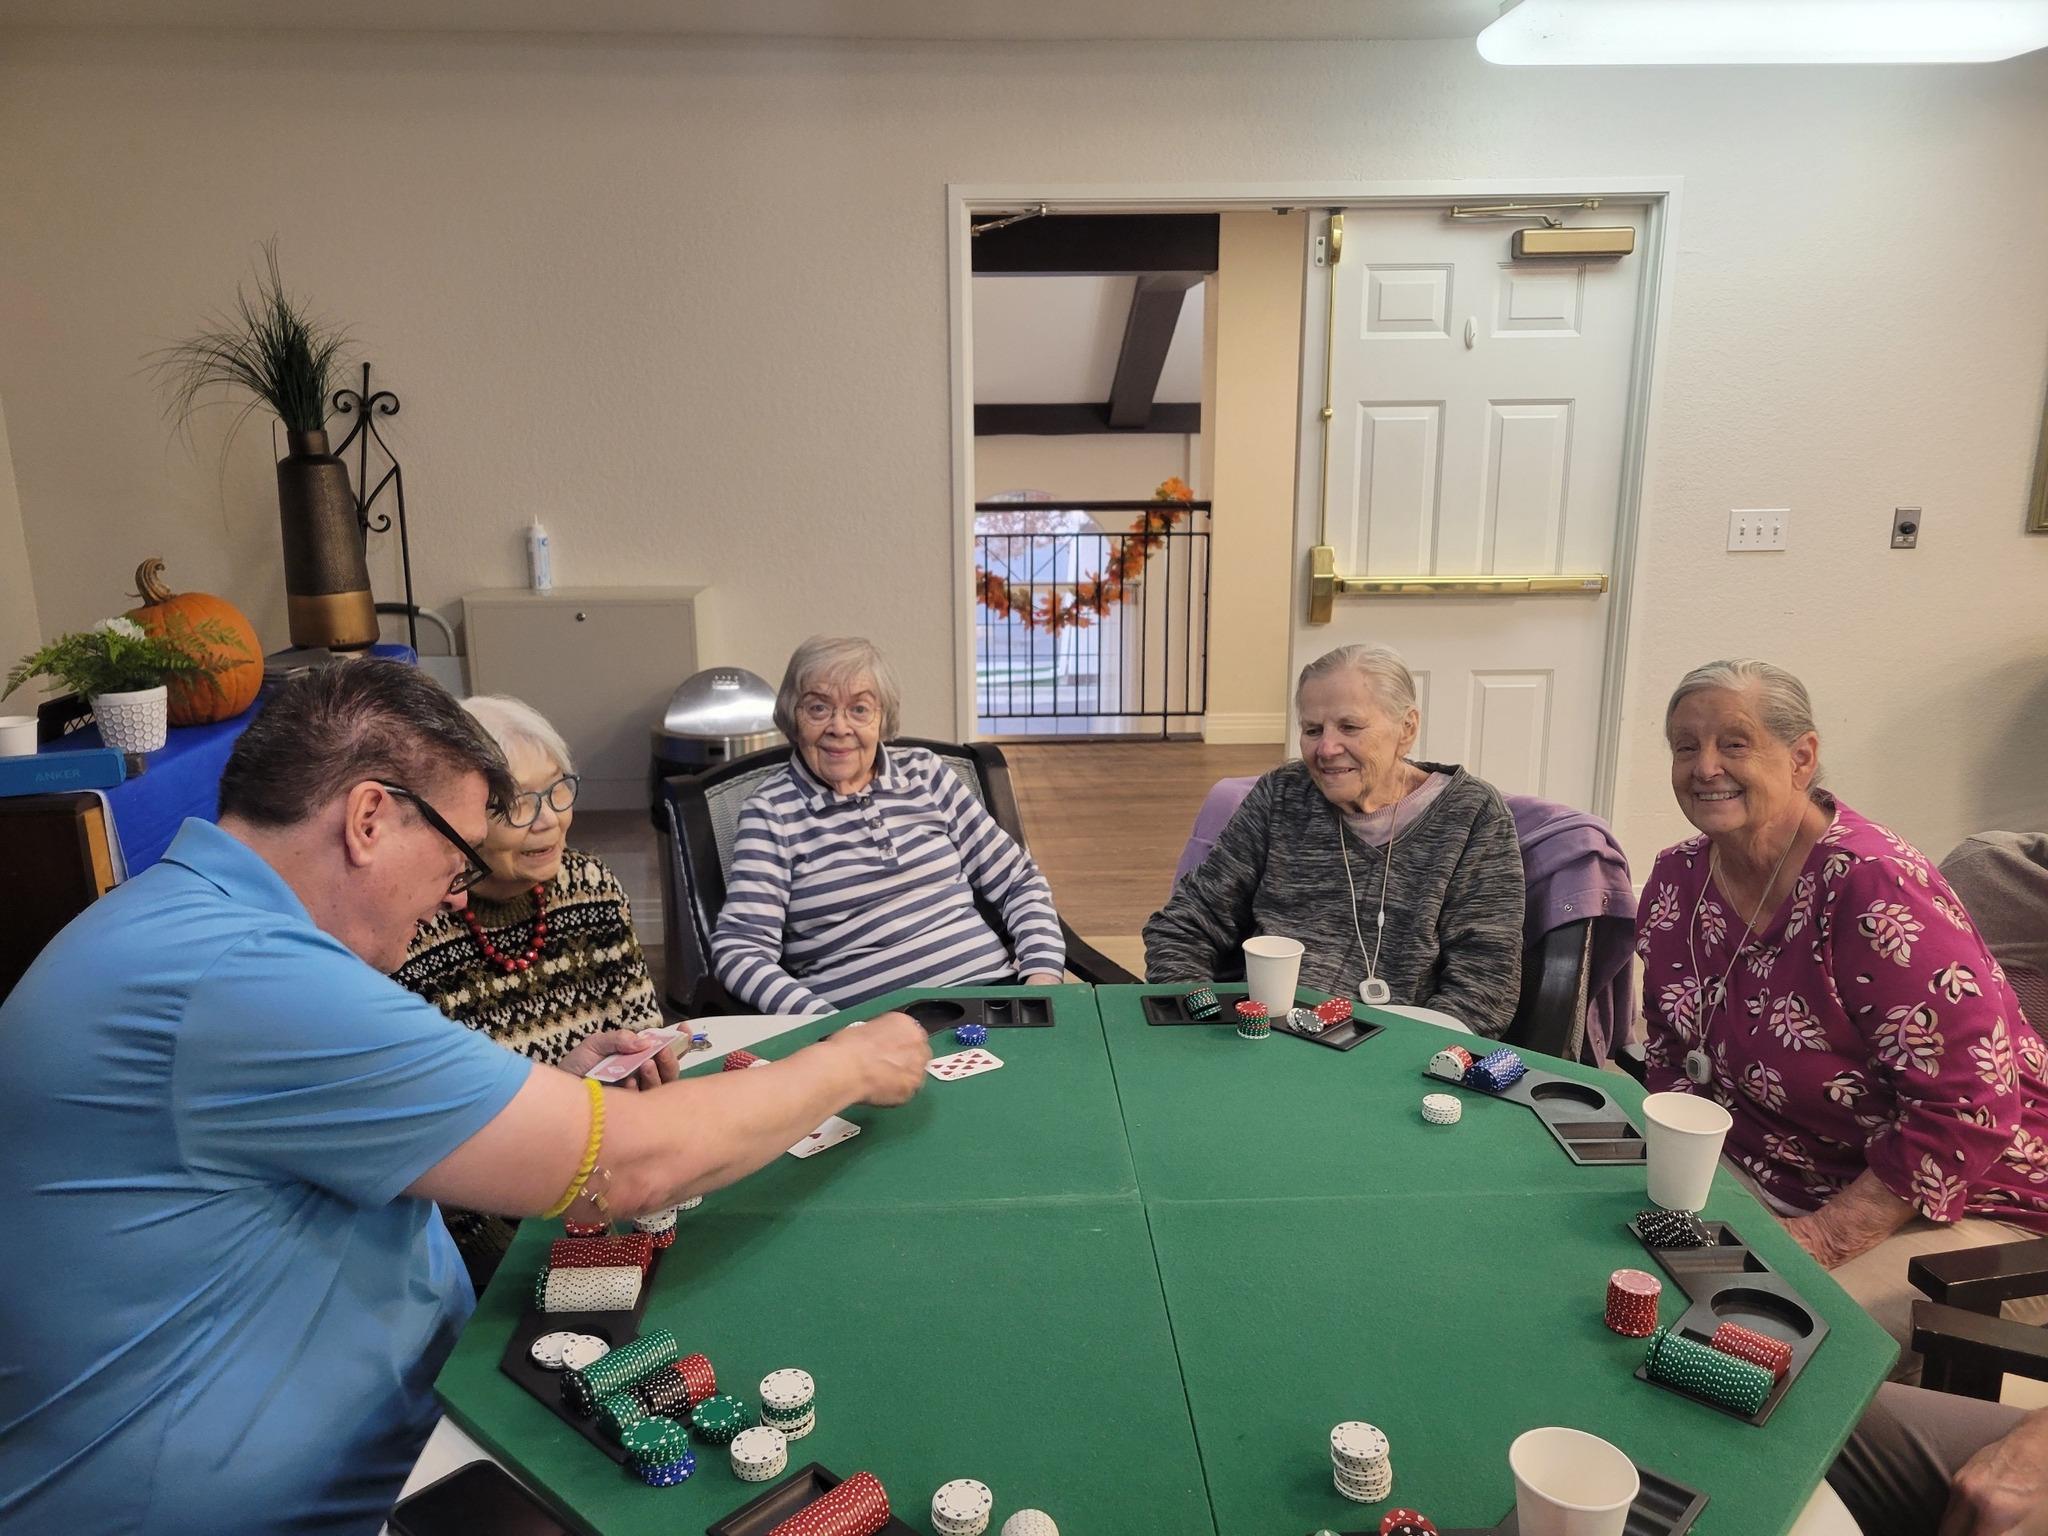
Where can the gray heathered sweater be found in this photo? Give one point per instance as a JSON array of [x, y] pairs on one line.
[[1454, 904]]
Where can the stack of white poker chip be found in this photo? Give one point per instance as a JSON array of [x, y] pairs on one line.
[[759, 1454], [1030, 1522], [691, 1204], [789, 1402], [568, 1351], [961, 1508], [1358, 1460], [1446, 1065], [600, 1288], [657, 1222], [1442, 1108]]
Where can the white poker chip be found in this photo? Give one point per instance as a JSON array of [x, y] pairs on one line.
[[759, 1454], [800, 1428], [1358, 1445], [656, 1222], [583, 1350], [547, 1350], [691, 1204], [962, 1501], [1446, 1066], [1442, 1109], [1030, 1522], [787, 1389]]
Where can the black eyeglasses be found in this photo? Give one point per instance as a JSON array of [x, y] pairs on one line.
[[476, 869], [524, 810]]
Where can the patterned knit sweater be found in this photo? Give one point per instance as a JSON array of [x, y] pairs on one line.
[[589, 977]]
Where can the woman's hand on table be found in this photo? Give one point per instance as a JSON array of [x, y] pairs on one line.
[[1044, 979], [1850, 1225], [652, 1073], [2003, 1489]]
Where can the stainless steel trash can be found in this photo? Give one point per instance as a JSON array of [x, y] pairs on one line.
[[717, 715]]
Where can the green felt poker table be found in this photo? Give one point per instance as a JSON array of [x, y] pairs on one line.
[[1134, 1277]]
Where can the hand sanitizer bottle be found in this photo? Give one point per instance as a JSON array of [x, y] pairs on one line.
[[540, 563]]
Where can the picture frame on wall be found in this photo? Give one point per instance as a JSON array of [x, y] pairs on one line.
[[2037, 504]]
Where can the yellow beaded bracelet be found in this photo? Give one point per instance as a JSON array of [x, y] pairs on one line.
[[590, 1150]]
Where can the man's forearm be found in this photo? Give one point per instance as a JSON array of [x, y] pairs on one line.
[[701, 1133]]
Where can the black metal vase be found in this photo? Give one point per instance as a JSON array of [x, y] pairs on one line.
[[326, 579]]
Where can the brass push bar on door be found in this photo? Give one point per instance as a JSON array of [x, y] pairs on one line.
[[1326, 586]]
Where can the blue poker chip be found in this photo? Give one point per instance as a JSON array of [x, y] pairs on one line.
[[669, 1473], [971, 1034]]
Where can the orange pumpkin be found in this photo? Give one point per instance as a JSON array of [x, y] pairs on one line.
[[204, 699]]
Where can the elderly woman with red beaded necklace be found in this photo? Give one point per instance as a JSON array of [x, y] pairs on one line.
[[542, 958]]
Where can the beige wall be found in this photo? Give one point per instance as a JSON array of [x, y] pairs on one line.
[[1256, 358], [577, 262], [19, 633], [1099, 466]]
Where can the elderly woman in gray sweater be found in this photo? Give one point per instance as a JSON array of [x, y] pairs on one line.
[[1402, 879]]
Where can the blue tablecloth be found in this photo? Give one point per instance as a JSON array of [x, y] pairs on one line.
[[183, 779]]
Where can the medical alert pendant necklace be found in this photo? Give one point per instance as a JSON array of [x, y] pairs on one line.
[[1698, 1066]]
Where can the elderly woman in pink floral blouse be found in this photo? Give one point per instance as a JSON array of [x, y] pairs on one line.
[[1812, 971]]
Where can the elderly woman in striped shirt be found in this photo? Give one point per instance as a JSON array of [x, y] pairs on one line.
[[856, 872]]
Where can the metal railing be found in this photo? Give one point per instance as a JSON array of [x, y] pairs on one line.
[[1101, 630]]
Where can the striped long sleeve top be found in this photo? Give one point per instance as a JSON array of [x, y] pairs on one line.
[[833, 899]]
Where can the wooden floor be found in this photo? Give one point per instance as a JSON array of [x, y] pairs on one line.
[[1107, 822]]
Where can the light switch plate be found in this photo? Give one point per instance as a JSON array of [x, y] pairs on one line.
[[1905, 527], [1757, 528]]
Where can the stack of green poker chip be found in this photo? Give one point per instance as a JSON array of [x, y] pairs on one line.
[[1692, 1367], [655, 1442], [717, 1419], [1202, 1003], [583, 1390], [620, 1411]]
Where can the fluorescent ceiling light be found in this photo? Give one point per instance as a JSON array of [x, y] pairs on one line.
[[1764, 31]]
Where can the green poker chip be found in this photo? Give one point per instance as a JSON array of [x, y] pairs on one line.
[[655, 1442], [620, 1412], [717, 1419], [1707, 1373]]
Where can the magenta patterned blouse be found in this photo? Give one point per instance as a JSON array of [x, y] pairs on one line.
[[1866, 1026]]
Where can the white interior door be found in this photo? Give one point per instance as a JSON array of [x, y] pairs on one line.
[[1479, 416]]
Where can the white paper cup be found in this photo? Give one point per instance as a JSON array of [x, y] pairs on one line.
[[1684, 1133], [1570, 1483], [17, 735], [1272, 966]]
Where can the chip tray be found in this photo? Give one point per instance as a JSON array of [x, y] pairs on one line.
[[615, 1328], [1763, 1303], [1663, 1508], [1584, 1120], [762, 1514], [1172, 1008], [937, 1013]]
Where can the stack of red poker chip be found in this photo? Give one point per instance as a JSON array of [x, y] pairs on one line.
[[586, 1228], [857, 1507], [739, 1061], [1632, 1303], [1406, 1522], [698, 1376], [602, 1252], [1774, 1355]]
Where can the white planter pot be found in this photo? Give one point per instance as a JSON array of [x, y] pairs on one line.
[[133, 722]]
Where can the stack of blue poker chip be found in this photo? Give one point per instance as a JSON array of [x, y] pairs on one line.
[[1496, 1071], [668, 1474], [971, 1034]]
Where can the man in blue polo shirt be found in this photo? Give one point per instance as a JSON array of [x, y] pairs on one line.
[[227, 1289]]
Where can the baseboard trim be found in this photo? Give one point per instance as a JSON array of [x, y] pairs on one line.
[[1244, 730]]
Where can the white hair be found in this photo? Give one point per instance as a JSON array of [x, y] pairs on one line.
[[1782, 705], [1382, 668], [514, 723], [837, 661]]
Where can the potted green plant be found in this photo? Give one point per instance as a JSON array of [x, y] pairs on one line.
[[123, 669], [272, 351]]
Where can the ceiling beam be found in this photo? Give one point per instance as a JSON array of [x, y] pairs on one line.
[[1101, 245], [1148, 334], [1067, 420]]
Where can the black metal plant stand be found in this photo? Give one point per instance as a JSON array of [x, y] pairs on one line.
[[366, 406]]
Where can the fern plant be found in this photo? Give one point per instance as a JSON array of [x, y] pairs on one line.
[[270, 349], [119, 656]]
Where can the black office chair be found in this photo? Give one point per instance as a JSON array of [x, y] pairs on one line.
[[1557, 972], [701, 813]]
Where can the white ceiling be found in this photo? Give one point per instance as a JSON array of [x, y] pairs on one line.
[[894, 20], [1055, 341]]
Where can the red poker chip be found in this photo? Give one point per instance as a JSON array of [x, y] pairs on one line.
[[698, 1376], [1406, 1522], [1774, 1355], [739, 1061], [857, 1507], [1632, 1296], [1336, 1011], [601, 1252], [1251, 1008], [587, 1228]]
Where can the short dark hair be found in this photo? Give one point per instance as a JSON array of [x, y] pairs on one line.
[[328, 729]]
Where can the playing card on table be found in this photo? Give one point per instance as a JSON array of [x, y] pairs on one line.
[[962, 1064], [830, 1134], [616, 1069]]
